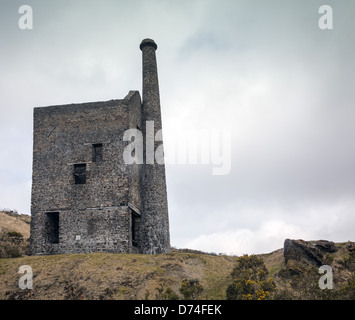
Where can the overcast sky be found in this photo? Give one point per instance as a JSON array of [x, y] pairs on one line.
[[262, 69]]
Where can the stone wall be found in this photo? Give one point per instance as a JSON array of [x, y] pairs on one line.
[[84, 197], [93, 216]]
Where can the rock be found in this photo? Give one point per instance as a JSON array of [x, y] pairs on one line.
[[302, 255], [326, 246], [300, 250]]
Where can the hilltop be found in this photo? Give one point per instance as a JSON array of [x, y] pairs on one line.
[[293, 269], [12, 221]]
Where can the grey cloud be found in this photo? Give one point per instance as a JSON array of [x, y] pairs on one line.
[[263, 69]]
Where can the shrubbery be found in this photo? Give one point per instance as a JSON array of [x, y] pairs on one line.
[[250, 280], [167, 294], [305, 286], [13, 245], [349, 261], [190, 290]]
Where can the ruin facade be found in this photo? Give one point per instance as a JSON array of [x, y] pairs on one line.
[[85, 197]]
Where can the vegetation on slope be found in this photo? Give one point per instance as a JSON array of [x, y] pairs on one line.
[[115, 276], [14, 234], [289, 273]]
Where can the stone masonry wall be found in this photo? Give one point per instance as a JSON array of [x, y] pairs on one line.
[[84, 197], [155, 222], [93, 216]]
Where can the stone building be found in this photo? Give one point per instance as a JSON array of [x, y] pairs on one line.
[[85, 197]]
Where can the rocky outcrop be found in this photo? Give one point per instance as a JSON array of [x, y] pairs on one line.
[[302, 255]]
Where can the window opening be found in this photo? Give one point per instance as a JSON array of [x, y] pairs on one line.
[[79, 173], [52, 227], [133, 229], [97, 152]]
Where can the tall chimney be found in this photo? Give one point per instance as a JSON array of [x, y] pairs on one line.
[[155, 219]]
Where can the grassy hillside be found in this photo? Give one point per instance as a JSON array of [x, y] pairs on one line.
[[14, 234], [123, 276], [11, 221], [114, 276]]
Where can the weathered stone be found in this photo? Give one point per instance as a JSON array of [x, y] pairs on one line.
[[81, 186], [326, 246], [301, 255]]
